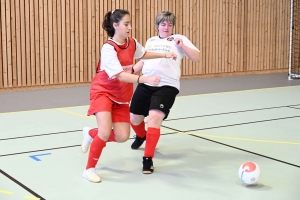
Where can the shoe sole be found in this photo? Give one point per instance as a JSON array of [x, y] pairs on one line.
[[83, 148], [92, 181], [147, 172]]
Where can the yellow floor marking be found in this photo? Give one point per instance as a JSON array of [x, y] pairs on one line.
[[250, 90], [5, 192], [30, 197], [243, 139], [73, 113], [176, 97]]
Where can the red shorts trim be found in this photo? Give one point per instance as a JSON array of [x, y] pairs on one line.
[[119, 112]]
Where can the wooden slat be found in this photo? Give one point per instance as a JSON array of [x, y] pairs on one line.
[[133, 16], [210, 54], [72, 42], [13, 44], [218, 37], [1, 52], [213, 50], [245, 46], [32, 43], [194, 38], [85, 41], [55, 43], [77, 42], [97, 32], [42, 42], [68, 42], [63, 41], [89, 39], [271, 23], [148, 19], [28, 46], [260, 35], [201, 46], [223, 38], [46, 42], [136, 23], [266, 35], [23, 41], [198, 37], [50, 44], [236, 35], [93, 44], [37, 44], [231, 37], [256, 37], [4, 44], [81, 63]]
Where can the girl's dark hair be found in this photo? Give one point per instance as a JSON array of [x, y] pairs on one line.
[[112, 17]]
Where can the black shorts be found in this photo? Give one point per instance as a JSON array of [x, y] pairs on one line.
[[146, 98]]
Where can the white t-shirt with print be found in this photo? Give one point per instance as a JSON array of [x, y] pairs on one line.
[[167, 68], [110, 62]]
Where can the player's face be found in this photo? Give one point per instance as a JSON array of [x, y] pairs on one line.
[[123, 27], [165, 29]]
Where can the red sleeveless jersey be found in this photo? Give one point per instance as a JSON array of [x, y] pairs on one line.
[[116, 90]]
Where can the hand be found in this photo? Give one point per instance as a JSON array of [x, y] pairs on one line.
[[178, 42], [153, 80], [171, 55]]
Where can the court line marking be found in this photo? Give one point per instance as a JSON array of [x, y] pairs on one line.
[[234, 112], [184, 96], [230, 138], [5, 192], [168, 132], [74, 113], [46, 134], [21, 185], [244, 123], [238, 91], [31, 197], [56, 133], [244, 150], [243, 139]]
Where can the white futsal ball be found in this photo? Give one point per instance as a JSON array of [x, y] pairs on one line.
[[249, 172]]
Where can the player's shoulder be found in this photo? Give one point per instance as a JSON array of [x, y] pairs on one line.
[[179, 36], [153, 38]]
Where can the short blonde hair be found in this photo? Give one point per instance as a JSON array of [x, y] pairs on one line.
[[164, 16]]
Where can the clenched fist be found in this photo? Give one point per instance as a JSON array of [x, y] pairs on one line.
[[153, 80]]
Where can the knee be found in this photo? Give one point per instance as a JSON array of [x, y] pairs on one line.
[[155, 118], [122, 138], [136, 119]]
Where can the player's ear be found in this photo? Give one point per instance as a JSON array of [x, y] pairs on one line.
[[115, 25]]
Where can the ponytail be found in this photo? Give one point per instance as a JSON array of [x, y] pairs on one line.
[[112, 17]]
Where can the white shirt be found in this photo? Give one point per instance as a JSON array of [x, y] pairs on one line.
[[167, 68], [109, 59]]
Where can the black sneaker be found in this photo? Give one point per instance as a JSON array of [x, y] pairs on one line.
[[147, 165], [138, 142]]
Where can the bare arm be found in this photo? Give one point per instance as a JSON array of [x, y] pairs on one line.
[[151, 55], [132, 78], [192, 54], [138, 66]]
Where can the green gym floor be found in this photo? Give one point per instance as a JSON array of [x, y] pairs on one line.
[[216, 124]]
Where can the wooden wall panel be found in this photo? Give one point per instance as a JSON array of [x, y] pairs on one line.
[[47, 43]]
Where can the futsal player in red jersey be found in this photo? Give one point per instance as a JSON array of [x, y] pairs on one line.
[[112, 88]]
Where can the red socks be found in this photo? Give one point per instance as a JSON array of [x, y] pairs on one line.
[[112, 137], [95, 151], [139, 129], [94, 132], [152, 138]]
